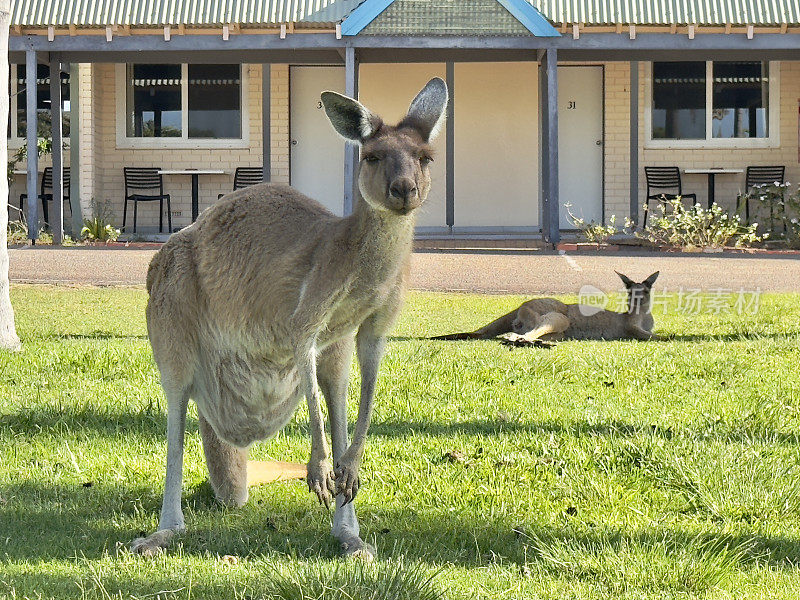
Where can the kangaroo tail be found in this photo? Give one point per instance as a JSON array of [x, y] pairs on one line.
[[267, 471], [466, 335]]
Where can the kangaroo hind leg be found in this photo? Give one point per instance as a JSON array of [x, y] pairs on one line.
[[227, 466], [529, 327]]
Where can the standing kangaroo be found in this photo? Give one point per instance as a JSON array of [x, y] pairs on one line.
[[548, 319], [267, 295]]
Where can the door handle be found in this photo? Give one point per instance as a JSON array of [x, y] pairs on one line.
[[598, 143], [294, 142]]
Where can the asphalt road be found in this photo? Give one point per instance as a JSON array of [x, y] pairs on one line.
[[478, 271]]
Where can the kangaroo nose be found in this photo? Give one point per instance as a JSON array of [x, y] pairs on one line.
[[403, 189]]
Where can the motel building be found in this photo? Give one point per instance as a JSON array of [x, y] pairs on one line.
[[554, 103]]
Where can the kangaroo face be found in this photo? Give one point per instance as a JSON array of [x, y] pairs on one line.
[[639, 294], [394, 173]]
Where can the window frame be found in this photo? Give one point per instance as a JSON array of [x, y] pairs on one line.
[[771, 141], [15, 142], [125, 142]]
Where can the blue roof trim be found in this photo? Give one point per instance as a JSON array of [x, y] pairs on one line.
[[363, 15], [531, 19], [527, 15]]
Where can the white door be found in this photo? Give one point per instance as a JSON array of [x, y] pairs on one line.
[[496, 145], [317, 152], [580, 143]]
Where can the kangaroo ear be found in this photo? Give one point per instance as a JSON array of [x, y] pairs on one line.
[[351, 119], [650, 280], [427, 110], [626, 280]]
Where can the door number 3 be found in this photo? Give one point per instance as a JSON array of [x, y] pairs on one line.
[[571, 105]]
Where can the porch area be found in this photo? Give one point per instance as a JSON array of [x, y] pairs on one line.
[[538, 127]]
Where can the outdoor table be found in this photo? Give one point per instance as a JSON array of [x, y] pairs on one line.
[[195, 173], [711, 172]]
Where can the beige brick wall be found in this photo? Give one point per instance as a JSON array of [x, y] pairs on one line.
[[617, 163], [108, 159], [102, 160], [617, 140], [90, 142]]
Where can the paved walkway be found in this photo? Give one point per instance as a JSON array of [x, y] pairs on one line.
[[482, 271]]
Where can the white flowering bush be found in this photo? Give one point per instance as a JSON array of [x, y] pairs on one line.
[[695, 227], [594, 232], [781, 207], [771, 200]]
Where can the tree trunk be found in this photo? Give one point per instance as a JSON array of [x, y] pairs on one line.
[[8, 332]]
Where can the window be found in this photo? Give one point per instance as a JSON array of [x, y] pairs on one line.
[[741, 99], [17, 122], [181, 103], [153, 101], [719, 103], [214, 102], [679, 100]]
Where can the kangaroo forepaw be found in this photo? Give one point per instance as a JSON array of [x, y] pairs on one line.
[[320, 481], [347, 480]]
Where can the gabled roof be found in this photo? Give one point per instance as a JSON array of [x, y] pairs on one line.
[[192, 13], [447, 17], [668, 12], [325, 13]]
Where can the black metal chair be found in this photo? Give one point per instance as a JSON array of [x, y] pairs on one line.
[[245, 177], [758, 176], [146, 178], [664, 178], [46, 197]]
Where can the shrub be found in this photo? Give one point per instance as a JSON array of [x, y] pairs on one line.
[[593, 232], [781, 207], [97, 230], [696, 227]]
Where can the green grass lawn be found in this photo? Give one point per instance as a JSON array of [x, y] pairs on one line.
[[665, 469]]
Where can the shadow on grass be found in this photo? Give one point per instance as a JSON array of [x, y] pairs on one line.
[[95, 335], [724, 337], [730, 337], [577, 429], [152, 424], [58, 421], [500, 427], [59, 522]]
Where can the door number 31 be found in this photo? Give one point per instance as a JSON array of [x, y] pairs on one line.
[[571, 105]]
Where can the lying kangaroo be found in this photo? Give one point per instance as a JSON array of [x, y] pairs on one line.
[[266, 296], [547, 319]]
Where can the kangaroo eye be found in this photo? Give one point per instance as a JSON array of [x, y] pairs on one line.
[[425, 160], [371, 158]]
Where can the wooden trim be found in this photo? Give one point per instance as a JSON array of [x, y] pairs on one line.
[[74, 149], [634, 141], [551, 220], [73, 30], [450, 161], [530, 18], [33, 157], [57, 212], [351, 150], [363, 15], [292, 27]]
